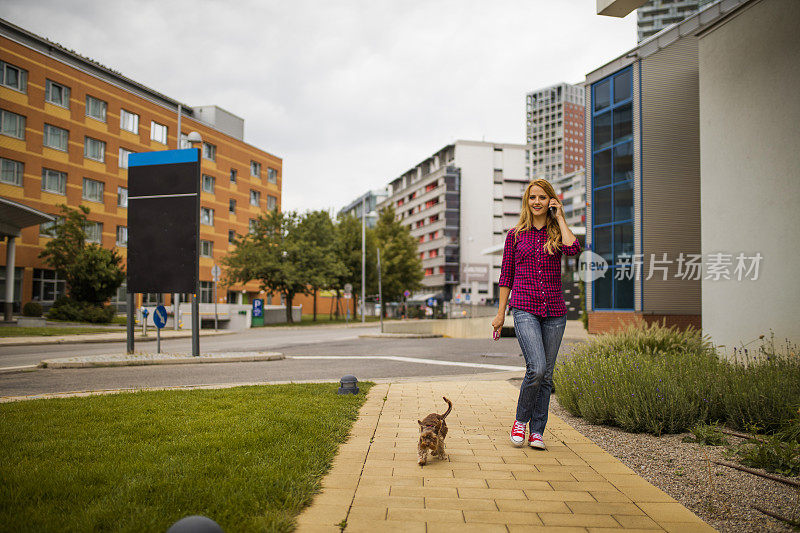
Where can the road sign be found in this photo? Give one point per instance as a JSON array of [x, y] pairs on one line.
[[160, 316], [215, 272], [163, 221], [348, 287], [258, 307], [406, 293], [431, 302]]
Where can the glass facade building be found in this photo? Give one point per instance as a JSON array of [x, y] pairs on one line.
[[612, 187]]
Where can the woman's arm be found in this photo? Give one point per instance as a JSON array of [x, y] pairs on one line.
[[500, 319], [570, 243]]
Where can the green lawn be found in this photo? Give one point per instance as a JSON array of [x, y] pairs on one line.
[[48, 331], [248, 457]]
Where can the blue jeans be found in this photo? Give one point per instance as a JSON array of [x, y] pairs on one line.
[[540, 338]]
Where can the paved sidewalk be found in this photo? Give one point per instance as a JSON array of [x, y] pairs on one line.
[[486, 484]]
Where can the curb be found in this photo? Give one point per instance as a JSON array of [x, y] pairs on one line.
[[152, 359], [93, 339]]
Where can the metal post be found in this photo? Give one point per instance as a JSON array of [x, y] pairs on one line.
[[176, 309], [380, 290], [215, 305], [195, 326], [363, 255], [131, 314], [11, 248], [158, 329]]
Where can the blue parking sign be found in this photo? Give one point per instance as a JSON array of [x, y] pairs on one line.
[[160, 316], [258, 307]]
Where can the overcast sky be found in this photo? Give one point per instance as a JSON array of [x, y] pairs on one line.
[[350, 93]]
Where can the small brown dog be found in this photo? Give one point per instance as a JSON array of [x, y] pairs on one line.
[[432, 431]]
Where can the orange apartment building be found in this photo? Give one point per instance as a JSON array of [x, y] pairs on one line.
[[67, 125]]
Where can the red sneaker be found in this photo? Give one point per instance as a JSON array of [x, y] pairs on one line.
[[535, 441], [518, 433]]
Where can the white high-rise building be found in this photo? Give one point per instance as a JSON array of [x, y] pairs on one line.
[[656, 15], [457, 203], [554, 126]]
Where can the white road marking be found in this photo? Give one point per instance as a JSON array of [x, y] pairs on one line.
[[410, 360], [21, 367]]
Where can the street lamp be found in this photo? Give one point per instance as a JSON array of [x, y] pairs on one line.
[[195, 138], [364, 252]]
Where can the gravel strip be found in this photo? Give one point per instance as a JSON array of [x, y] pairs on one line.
[[719, 495]]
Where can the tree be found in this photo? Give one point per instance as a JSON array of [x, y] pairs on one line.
[[400, 264], [92, 273], [271, 254], [348, 247], [320, 261]]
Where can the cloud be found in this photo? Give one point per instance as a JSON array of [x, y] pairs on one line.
[[349, 93]]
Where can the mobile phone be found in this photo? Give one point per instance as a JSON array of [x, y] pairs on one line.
[[495, 334], [553, 211]]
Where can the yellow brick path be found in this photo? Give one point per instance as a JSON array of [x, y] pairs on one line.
[[486, 484]]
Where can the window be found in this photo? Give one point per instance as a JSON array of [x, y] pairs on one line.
[[185, 141], [210, 151], [206, 292], [57, 94], [94, 149], [122, 236], [47, 286], [94, 232], [11, 171], [123, 157], [55, 138], [96, 108], [54, 181], [231, 236], [128, 121], [208, 183], [255, 197], [207, 216], [255, 169], [612, 186], [48, 229], [206, 249], [158, 132], [251, 226], [12, 124], [231, 206], [13, 77], [272, 175], [233, 175], [122, 196], [93, 190], [272, 202]]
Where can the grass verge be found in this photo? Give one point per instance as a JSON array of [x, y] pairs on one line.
[[48, 331], [249, 458]]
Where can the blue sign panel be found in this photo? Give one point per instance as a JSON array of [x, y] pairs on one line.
[[431, 302], [258, 307], [160, 316]]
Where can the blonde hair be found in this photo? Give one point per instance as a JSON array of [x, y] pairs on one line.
[[553, 243]]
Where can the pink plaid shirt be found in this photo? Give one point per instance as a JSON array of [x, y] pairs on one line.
[[533, 275]]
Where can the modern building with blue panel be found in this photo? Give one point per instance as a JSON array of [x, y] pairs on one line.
[[692, 175]]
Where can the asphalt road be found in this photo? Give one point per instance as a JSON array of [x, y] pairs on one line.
[[342, 351]]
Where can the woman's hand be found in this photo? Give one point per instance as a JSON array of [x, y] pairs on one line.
[[559, 208], [497, 323]]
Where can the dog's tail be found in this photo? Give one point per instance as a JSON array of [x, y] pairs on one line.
[[449, 407]]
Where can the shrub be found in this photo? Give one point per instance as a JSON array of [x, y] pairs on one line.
[[772, 454], [708, 434], [68, 309], [32, 309], [659, 380]]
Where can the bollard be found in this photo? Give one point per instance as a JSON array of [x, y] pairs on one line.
[[348, 385]]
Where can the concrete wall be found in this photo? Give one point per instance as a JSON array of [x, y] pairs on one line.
[[465, 328], [750, 165]]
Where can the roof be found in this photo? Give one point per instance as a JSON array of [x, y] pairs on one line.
[[691, 25], [14, 216]]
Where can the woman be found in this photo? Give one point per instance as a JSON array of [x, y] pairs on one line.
[[531, 273]]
